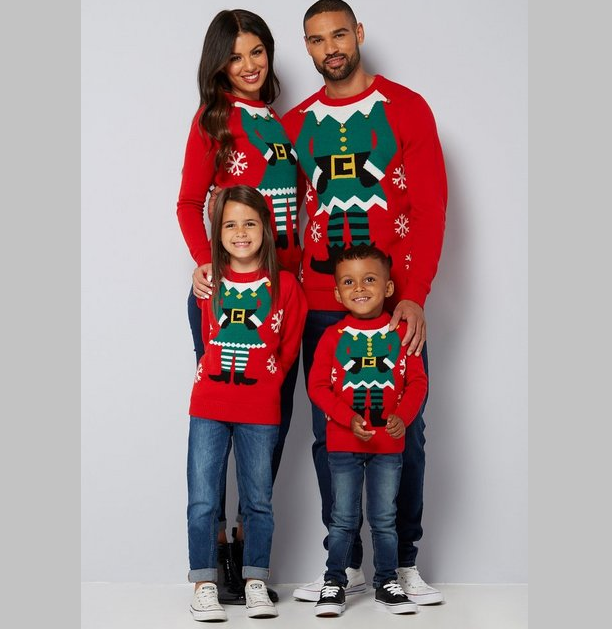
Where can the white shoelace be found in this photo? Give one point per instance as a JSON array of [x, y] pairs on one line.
[[257, 595], [207, 596], [394, 588], [329, 591]]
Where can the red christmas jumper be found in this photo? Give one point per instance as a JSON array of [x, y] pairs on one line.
[[374, 173], [250, 344], [359, 355], [261, 156]]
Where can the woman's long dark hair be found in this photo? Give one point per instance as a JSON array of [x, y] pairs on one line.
[[212, 80], [267, 252]]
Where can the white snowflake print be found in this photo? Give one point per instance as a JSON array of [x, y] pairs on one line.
[[236, 163], [408, 260], [301, 276], [403, 366], [327, 418], [271, 365], [198, 375], [277, 319], [400, 180], [309, 195], [401, 223], [315, 232], [334, 375]]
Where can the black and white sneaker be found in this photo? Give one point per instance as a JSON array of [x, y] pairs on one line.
[[331, 600], [391, 597]]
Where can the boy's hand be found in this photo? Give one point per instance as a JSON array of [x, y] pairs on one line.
[[357, 424], [395, 427]]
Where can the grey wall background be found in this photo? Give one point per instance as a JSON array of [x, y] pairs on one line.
[[139, 93]]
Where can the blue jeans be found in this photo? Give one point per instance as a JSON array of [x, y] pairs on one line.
[[287, 390], [410, 495], [209, 445], [382, 478]]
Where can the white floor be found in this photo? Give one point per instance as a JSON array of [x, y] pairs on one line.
[[134, 605]]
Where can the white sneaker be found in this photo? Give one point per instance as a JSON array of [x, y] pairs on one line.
[[258, 603], [312, 591], [205, 603], [416, 589]]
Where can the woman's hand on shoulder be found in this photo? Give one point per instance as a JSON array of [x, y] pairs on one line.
[[212, 201], [202, 281]]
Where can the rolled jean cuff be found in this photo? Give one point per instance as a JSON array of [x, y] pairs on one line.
[[252, 572], [202, 574]]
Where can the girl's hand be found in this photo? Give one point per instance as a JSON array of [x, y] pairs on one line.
[[395, 427], [357, 425], [202, 281]]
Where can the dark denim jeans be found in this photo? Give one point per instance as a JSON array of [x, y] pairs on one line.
[[209, 445], [410, 494], [382, 478], [287, 390]]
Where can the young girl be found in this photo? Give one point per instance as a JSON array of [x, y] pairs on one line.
[[236, 138], [252, 328]]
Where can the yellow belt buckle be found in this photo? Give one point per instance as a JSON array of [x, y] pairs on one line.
[[280, 150], [343, 166], [237, 315], [368, 361]]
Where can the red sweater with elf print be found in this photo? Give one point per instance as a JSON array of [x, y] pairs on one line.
[[374, 173], [250, 344], [262, 157], [361, 368]]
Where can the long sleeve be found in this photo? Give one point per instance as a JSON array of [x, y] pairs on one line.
[[198, 175], [414, 391], [427, 192], [294, 318], [320, 387]]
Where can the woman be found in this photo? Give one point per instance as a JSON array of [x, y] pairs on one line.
[[236, 138]]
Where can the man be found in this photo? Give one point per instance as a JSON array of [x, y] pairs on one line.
[[374, 174]]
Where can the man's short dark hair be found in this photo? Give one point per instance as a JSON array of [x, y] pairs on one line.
[[324, 6], [363, 251]]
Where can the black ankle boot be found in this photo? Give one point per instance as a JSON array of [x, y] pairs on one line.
[[240, 378], [229, 582], [237, 551], [224, 376], [376, 418], [327, 266]]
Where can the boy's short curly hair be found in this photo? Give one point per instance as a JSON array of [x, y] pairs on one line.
[[363, 251]]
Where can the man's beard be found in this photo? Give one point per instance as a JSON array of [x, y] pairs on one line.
[[339, 74]]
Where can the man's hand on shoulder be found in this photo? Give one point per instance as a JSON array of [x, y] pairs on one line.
[[414, 316]]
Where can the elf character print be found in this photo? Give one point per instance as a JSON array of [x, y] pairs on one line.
[[278, 182], [241, 311], [368, 358], [345, 150]]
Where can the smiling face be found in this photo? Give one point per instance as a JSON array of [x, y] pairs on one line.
[[241, 236], [333, 40], [362, 285], [247, 68]]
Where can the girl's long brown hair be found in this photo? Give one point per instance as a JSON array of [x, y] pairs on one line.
[[212, 80], [267, 252]]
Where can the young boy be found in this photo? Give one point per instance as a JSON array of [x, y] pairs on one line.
[[370, 390]]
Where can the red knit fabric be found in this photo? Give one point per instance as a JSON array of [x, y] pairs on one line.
[[280, 333], [325, 388], [199, 174], [411, 227]]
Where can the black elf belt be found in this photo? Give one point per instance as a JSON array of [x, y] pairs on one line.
[[237, 315], [368, 361]]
